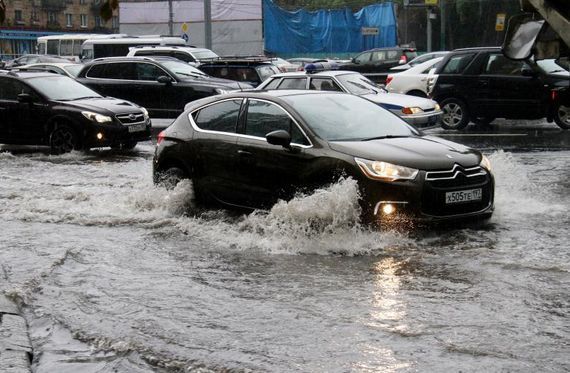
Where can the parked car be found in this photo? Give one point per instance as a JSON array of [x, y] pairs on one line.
[[41, 108], [481, 84], [284, 66], [64, 68], [418, 60], [375, 64], [32, 58], [251, 149], [250, 70], [191, 55], [412, 81], [300, 62], [420, 112], [163, 85]]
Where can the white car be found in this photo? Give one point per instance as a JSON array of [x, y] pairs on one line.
[[412, 81], [70, 69]]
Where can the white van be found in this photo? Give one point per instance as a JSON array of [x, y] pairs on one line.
[[119, 46]]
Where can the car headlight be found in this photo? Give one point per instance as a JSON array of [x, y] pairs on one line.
[[385, 171], [412, 110], [485, 163], [95, 117], [437, 107], [145, 112]]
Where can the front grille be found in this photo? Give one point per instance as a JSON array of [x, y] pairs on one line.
[[438, 183], [131, 118]]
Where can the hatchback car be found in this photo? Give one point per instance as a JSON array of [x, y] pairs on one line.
[[250, 149], [412, 81], [40, 108], [420, 112], [250, 70], [163, 85], [376, 63], [481, 84]]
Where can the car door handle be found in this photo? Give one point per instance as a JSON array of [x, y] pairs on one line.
[[423, 79], [483, 83], [244, 153]]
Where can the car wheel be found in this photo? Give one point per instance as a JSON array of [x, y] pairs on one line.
[[170, 177], [63, 140], [483, 121], [455, 114], [562, 116]]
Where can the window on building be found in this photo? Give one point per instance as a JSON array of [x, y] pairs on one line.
[[35, 17], [83, 20], [69, 20], [52, 17], [18, 16], [97, 21]]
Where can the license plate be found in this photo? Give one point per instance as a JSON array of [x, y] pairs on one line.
[[137, 127], [463, 196]]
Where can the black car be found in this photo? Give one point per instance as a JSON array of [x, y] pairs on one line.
[[481, 84], [163, 85], [41, 108], [251, 149], [250, 70], [375, 64]]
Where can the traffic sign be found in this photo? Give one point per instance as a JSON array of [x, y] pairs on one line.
[[369, 31], [185, 37]]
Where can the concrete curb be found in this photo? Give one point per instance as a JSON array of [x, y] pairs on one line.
[[15, 345]]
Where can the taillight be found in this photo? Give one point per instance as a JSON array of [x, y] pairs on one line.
[[160, 137], [403, 59], [554, 95], [389, 79]]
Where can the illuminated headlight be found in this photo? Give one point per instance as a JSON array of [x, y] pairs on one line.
[[379, 170], [221, 91], [437, 107], [412, 110], [145, 112], [99, 118], [485, 163]]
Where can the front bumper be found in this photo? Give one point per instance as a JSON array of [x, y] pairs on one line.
[[422, 120], [98, 135], [422, 200]]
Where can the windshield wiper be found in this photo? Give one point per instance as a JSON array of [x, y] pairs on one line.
[[81, 98], [384, 137]]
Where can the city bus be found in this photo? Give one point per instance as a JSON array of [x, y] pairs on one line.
[[64, 45], [119, 46]]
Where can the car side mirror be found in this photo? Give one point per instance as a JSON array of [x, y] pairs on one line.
[[353, 60], [164, 79], [279, 137], [25, 98]]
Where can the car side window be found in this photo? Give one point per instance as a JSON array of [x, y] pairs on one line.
[[363, 58], [11, 88], [183, 57], [273, 84], [321, 84], [290, 83], [392, 55], [147, 71], [457, 64], [121, 70], [221, 117], [497, 64], [264, 117]]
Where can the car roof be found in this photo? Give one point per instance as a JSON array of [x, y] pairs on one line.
[[238, 61], [476, 49], [297, 74], [171, 47], [134, 59], [26, 74], [56, 64]]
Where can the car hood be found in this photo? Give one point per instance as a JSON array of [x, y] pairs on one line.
[[107, 105], [424, 153], [399, 101], [219, 83]]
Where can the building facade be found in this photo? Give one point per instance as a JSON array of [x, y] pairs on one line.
[[26, 20]]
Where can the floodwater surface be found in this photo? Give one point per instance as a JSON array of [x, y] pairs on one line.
[[116, 274]]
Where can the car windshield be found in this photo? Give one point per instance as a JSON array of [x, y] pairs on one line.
[[551, 67], [73, 69], [61, 88], [358, 84], [204, 55], [342, 117], [182, 69]]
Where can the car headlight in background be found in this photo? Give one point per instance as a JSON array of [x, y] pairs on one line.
[[485, 163], [145, 112], [95, 117], [412, 110], [437, 107], [379, 170]]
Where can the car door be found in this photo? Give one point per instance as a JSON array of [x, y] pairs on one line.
[[159, 98], [112, 79], [21, 122], [214, 149], [268, 172], [363, 63], [504, 92]]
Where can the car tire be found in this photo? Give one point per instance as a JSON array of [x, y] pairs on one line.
[[455, 114], [170, 177], [562, 116], [483, 121], [63, 140]]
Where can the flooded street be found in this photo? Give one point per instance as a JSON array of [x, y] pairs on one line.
[[115, 274]]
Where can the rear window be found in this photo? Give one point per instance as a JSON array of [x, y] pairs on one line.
[[457, 64]]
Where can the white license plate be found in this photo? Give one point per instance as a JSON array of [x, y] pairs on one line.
[[464, 196], [137, 127]]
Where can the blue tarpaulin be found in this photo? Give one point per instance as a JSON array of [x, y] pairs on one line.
[[338, 30]]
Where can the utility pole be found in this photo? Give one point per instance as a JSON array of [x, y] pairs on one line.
[[170, 19], [442, 22], [208, 23], [428, 29]]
